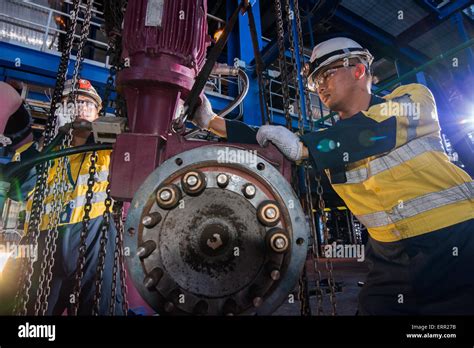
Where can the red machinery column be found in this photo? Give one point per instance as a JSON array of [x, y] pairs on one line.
[[165, 42]]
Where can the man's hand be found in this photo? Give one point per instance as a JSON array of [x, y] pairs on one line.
[[286, 141], [204, 114]]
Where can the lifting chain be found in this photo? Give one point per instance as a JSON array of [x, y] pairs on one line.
[[84, 233], [282, 62], [293, 79], [119, 262], [104, 231], [331, 283], [114, 13], [41, 188], [299, 31]]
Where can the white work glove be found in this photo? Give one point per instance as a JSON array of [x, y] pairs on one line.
[[286, 141], [204, 114]]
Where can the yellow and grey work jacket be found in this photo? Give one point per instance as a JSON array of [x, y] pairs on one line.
[[389, 167], [76, 174]]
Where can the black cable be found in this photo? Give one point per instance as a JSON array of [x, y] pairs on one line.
[[17, 167]]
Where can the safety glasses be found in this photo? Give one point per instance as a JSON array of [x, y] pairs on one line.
[[315, 82]]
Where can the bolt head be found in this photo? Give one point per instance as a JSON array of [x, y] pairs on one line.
[[165, 195], [280, 243], [192, 180], [222, 179], [250, 190], [270, 213]]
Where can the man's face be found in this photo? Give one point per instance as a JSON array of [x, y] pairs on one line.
[[336, 83], [87, 108]]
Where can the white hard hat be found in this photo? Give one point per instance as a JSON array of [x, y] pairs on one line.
[[83, 87], [335, 49]]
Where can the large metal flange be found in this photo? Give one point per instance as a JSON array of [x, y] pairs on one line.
[[208, 252]]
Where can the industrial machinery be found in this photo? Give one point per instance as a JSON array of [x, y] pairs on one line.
[[218, 227]]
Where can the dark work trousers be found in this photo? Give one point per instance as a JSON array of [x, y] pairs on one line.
[[431, 274], [63, 273]]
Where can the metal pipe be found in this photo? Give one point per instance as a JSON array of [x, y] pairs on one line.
[[435, 60]]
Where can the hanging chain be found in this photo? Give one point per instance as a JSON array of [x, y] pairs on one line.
[[26, 268], [114, 13], [84, 232], [282, 62], [121, 259], [331, 283], [303, 294], [314, 251], [299, 31], [293, 75], [119, 263], [105, 228]]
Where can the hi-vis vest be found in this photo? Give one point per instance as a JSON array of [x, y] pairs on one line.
[[407, 186], [76, 175]]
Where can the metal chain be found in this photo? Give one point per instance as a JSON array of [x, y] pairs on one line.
[[293, 75], [84, 232], [26, 268], [331, 283], [43, 290], [121, 260], [60, 186], [79, 55], [105, 228], [314, 251], [303, 294], [282, 62], [299, 30], [61, 76], [114, 13]]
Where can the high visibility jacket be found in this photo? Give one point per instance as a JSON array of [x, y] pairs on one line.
[[389, 166], [76, 173]]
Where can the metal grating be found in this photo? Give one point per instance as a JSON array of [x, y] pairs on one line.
[[384, 14], [438, 40]]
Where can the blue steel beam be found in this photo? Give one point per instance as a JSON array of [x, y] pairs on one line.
[[251, 103], [448, 10], [46, 64]]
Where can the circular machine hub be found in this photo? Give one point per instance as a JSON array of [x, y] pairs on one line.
[[210, 253]]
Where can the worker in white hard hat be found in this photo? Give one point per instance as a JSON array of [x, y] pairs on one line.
[[84, 106], [385, 160]]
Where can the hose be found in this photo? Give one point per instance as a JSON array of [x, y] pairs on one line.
[[236, 102], [17, 167]]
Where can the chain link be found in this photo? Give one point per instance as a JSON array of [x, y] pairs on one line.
[[282, 62], [329, 268], [299, 31], [41, 188], [105, 228], [84, 232]]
